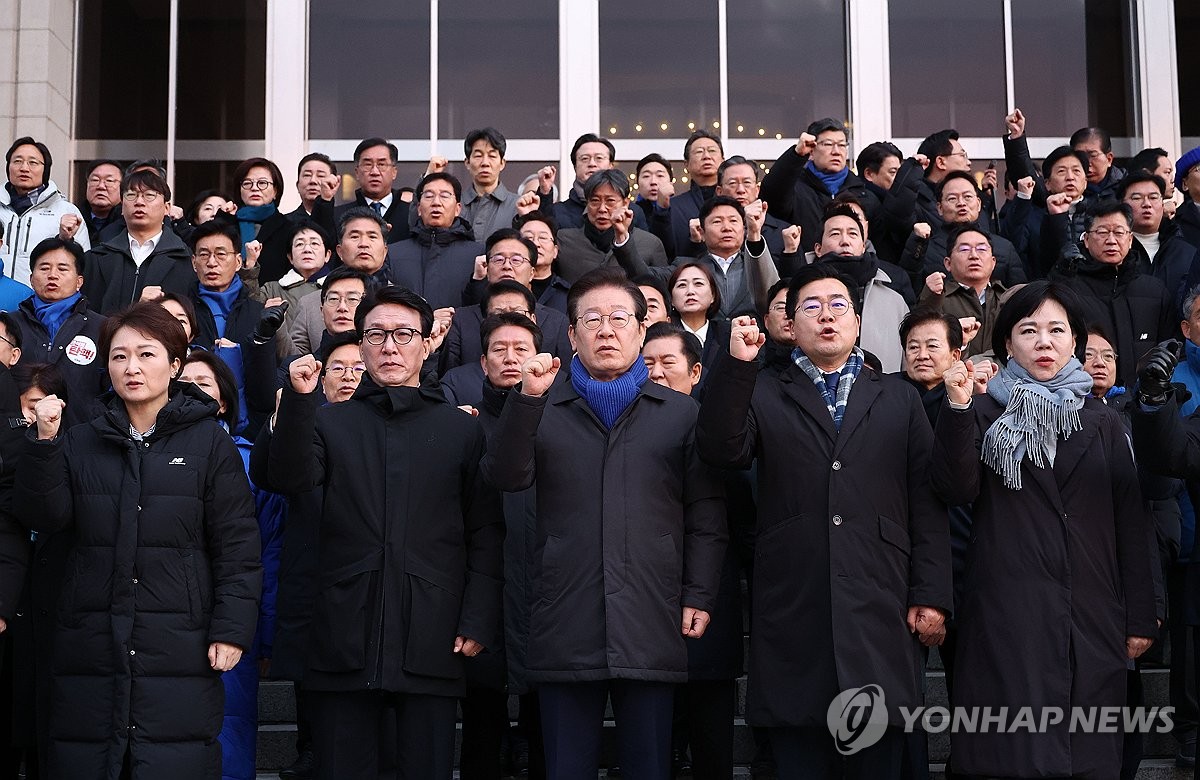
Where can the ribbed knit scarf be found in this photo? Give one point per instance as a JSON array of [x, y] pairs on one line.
[[1035, 415], [220, 303], [52, 314], [835, 402], [601, 239], [609, 399], [832, 181], [249, 218]]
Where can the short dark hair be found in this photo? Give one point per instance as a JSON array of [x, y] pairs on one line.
[[215, 227], [193, 209], [600, 278], [493, 136], [825, 125], [27, 140], [346, 272], [396, 295], [495, 322], [924, 314], [503, 287], [309, 224], [840, 210], [592, 138], [185, 303], [240, 173], [331, 343], [696, 136], [720, 200], [449, 178], [360, 212], [715, 306], [653, 157], [521, 220], [511, 234], [1060, 153], [147, 181], [94, 164], [227, 384], [1104, 208], [1140, 176], [147, 163], [1098, 329], [732, 162], [782, 284], [956, 176], [938, 144], [1085, 134], [367, 143], [1147, 159], [613, 177], [1026, 301], [873, 156], [41, 376], [151, 320], [315, 157], [11, 327], [807, 274], [53, 243], [652, 280], [957, 232], [688, 343]]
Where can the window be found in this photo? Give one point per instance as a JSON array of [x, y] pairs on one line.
[[222, 69], [1187, 31], [124, 46]]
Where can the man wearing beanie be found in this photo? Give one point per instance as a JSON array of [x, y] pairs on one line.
[[630, 539], [1187, 181]]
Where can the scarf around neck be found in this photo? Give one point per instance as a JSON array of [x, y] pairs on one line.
[[52, 314], [249, 218], [832, 181], [221, 303], [835, 402], [1035, 415], [601, 239], [609, 399]]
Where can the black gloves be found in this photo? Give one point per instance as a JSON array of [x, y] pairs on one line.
[[269, 323], [1155, 370]]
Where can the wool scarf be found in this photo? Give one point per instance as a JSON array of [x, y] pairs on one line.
[[1035, 415], [249, 218], [221, 303], [835, 401], [609, 399], [832, 181], [52, 314]]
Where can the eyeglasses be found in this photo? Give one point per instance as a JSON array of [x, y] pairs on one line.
[[982, 249], [376, 337], [1138, 197], [736, 184], [778, 308], [374, 165], [304, 243], [9, 343], [257, 184], [351, 300], [704, 151], [501, 310], [813, 308], [147, 196], [222, 255], [1093, 154], [590, 158], [960, 153], [107, 181], [1107, 355], [429, 196], [337, 369], [1106, 233], [25, 162], [515, 261], [841, 146], [968, 197], [618, 319]]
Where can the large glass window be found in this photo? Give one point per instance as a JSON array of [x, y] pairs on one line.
[[659, 68], [368, 69], [785, 68], [222, 69], [947, 63], [123, 68], [498, 66], [1187, 33]]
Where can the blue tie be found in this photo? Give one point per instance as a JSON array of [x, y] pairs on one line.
[[831, 381], [378, 209]]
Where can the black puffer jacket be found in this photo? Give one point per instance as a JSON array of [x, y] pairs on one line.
[[73, 350], [436, 263], [112, 280], [165, 561]]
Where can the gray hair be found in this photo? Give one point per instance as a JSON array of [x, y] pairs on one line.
[[613, 177], [1189, 302], [361, 212]]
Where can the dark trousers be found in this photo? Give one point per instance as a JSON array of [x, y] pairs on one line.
[[347, 738], [303, 720], [1182, 685], [573, 719], [809, 754], [529, 727], [704, 711], [484, 723]]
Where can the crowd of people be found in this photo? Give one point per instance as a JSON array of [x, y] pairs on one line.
[[459, 450]]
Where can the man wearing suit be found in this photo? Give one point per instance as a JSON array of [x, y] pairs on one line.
[[316, 181], [737, 255], [375, 171]]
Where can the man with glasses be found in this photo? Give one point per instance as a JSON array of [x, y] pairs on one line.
[[703, 155], [848, 582], [1133, 306], [146, 259], [1102, 176], [1157, 249], [102, 201], [630, 533], [590, 154], [805, 178], [32, 207], [609, 236], [945, 155], [375, 171], [969, 289], [411, 543]]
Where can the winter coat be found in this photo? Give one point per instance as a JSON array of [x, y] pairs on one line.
[[165, 561], [849, 536], [960, 301], [881, 307], [396, 215], [435, 263], [23, 231], [75, 352], [577, 254], [630, 529], [569, 213], [483, 225], [1187, 217], [1058, 575], [112, 281], [685, 206], [921, 258], [292, 288], [462, 344], [1173, 265], [275, 235], [410, 545], [12, 292]]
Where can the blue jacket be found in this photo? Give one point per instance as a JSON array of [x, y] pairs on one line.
[[12, 292]]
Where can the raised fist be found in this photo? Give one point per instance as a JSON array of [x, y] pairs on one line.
[[936, 282], [806, 143], [1014, 123], [68, 225], [745, 339], [538, 373], [48, 414], [791, 239], [305, 374]]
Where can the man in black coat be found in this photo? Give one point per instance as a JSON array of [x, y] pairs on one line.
[[101, 208], [844, 575], [590, 154], [375, 170], [703, 154], [630, 533], [807, 177], [737, 178], [410, 547], [1158, 249]]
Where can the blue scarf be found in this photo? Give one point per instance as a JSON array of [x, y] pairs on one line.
[[835, 400], [54, 313], [832, 181], [219, 303], [609, 399], [249, 218]]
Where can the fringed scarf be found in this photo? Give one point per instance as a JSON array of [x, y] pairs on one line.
[[835, 402]]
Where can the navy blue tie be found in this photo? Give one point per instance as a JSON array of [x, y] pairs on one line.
[[378, 209]]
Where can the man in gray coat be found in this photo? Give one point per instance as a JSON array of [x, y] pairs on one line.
[[608, 237]]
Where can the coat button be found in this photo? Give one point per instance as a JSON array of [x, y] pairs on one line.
[[837, 519], [837, 465], [135, 580], [133, 652]]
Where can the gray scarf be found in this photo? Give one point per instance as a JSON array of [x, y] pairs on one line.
[[1035, 415]]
